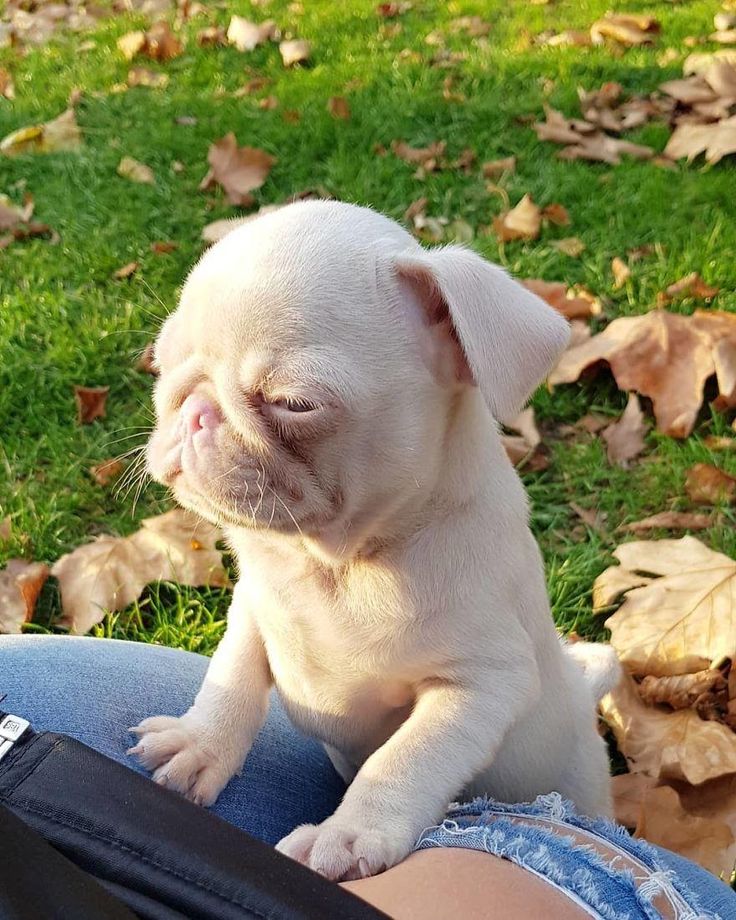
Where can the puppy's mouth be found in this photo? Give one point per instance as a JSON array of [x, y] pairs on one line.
[[211, 471]]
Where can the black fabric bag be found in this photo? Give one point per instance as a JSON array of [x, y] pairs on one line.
[[83, 837]]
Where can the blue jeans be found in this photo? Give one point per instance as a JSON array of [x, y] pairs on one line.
[[95, 689]]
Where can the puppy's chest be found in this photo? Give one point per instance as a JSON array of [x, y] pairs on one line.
[[340, 644]]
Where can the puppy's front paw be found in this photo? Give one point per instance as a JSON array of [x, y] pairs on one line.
[[342, 850], [183, 757]]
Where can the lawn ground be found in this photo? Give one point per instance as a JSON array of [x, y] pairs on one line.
[[64, 319]]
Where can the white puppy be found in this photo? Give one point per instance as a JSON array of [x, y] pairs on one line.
[[329, 393]]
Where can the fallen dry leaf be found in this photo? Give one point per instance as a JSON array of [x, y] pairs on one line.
[[706, 840], [338, 107], [691, 285], [665, 356], [246, 35], [55, 136], [163, 247], [130, 168], [7, 87], [628, 792], [591, 517], [90, 403], [625, 437], [239, 170], [707, 485], [522, 222], [524, 448], [6, 529], [625, 29], [669, 520], [426, 157], [494, 168], [715, 140], [111, 572], [106, 472], [556, 214], [125, 271], [564, 299], [147, 361], [12, 214], [296, 51], [20, 585], [621, 272], [211, 36], [571, 246], [143, 76], [667, 745], [683, 617], [159, 43], [680, 691]]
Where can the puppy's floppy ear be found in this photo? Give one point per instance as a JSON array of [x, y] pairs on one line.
[[490, 329]]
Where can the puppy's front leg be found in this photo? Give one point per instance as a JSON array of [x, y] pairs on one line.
[[198, 753], [454, 731]]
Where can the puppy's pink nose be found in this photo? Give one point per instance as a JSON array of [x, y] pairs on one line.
[[197, 413]]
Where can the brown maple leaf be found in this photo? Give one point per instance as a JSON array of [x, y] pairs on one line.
[[665, 356], [91, 403], [239, 170]]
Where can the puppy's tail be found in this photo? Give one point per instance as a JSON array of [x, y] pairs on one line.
[[600, 665]]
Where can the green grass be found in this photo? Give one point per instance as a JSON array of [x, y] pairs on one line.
[[65, 321]]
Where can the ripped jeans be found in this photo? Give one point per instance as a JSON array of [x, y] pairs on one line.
[[595, 862]]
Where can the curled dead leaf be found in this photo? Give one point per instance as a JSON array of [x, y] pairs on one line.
[[691, 285], [669, 520], [55, 136], [681, 691], [20, 584], [91, 402], [126, 271], [668, 745], [522, 222]]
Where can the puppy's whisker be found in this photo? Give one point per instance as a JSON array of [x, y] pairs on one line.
[[151, 290], [286, 509]]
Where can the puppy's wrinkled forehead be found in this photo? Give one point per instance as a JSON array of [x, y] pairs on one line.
[[284, 282]]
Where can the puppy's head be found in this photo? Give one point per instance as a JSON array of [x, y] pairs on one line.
[[308, 371]]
